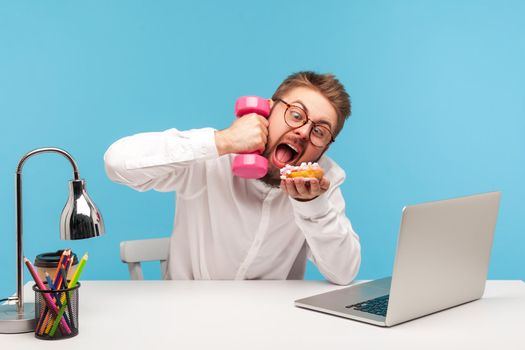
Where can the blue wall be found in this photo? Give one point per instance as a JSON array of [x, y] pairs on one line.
[[438, 91]]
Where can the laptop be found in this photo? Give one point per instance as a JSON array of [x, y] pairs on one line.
[[442, 260]]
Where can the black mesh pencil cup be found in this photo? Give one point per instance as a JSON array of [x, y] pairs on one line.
[[56, 313]]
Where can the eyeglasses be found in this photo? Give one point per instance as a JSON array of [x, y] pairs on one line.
[[295, 117]]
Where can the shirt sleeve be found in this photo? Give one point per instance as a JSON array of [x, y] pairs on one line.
[[333, 245], [163, 161]]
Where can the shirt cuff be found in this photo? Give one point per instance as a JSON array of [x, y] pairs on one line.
[[314, 209]]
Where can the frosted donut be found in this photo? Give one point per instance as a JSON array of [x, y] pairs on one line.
[[307, 170]]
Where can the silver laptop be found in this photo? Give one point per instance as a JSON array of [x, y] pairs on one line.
[[442, 259]]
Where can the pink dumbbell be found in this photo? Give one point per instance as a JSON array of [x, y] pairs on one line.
[[251, 165]]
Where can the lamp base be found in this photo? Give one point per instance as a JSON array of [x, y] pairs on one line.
[[13, 322]]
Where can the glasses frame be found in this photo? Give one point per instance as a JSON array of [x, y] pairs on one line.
[[314, 124]]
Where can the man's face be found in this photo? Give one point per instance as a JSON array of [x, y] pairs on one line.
[[287, 145]]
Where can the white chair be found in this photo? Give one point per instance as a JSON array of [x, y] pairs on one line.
[[135, 252]]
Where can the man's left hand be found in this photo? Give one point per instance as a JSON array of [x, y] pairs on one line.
[[305, 189]]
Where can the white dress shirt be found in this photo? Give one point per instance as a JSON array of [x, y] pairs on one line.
[[227, 227]]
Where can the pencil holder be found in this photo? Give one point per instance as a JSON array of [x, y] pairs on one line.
[[56, 312]]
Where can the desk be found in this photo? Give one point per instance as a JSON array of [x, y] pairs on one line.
[[261, 315]]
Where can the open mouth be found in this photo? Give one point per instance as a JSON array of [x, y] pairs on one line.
[[285, 153]]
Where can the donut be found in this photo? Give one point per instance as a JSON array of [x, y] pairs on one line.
[[307, 170]]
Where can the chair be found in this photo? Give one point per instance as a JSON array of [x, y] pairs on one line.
[[137, 251]]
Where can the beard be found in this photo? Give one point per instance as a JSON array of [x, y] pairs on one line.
[[273, 176]]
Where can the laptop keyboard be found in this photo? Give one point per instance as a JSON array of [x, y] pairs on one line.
[[375, 306]]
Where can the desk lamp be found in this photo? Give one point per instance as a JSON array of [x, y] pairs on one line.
[[80, 219]]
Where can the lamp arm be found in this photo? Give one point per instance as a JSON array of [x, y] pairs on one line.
[[19, 226], [48, 150]]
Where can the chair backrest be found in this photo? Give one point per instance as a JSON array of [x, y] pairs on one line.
[[135, 252]]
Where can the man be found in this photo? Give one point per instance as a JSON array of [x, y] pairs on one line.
[[228, 227]]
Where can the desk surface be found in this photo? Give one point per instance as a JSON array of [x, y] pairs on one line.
[[261, 315]]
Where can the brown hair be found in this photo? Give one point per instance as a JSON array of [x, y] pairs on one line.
[[327, 85]]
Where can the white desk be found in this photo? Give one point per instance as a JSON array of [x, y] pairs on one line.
[[261, 315]]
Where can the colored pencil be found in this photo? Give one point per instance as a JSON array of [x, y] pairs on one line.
[[47, 298], [58, 275], [45, 311], [65, 253], [71, 284], [68, 300], [80, 267], [52, 287], [62, 280], [57, 299], [40, 328]]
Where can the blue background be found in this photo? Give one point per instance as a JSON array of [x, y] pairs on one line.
[[438, 92]]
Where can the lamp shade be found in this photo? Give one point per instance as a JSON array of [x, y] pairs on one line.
[[80, 218]]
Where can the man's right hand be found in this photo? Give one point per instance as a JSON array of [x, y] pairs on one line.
[[246, 134]]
